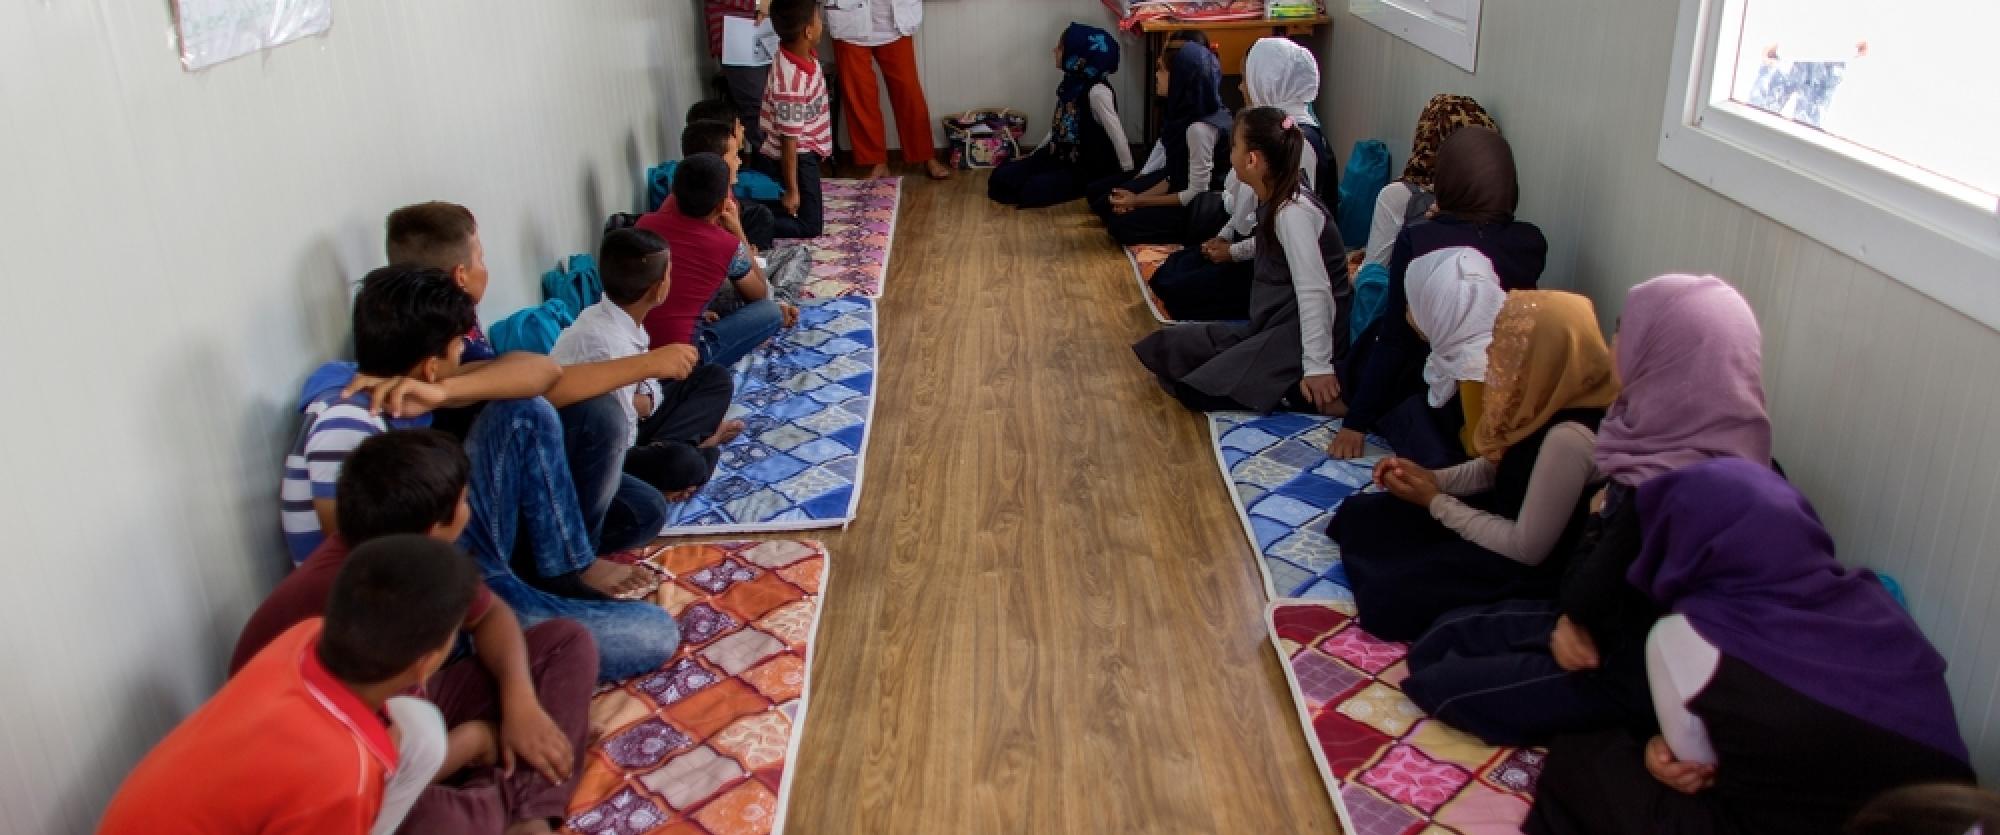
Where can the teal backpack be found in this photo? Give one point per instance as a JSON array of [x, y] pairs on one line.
[[576, 283], [532, 329]]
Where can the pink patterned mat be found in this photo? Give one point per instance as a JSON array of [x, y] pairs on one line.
[[852, 257], [1390, 769]]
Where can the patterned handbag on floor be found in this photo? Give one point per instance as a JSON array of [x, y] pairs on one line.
[[984, 137]]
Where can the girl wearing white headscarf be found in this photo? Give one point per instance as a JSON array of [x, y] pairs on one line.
[[1454, 298], [1210, 280]]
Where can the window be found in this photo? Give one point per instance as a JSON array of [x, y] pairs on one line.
[[1867, 129], [1448, 29]]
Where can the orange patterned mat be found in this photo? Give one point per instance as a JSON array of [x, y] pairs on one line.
[[701, 746]]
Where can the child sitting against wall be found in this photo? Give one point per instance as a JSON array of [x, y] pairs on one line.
[[700, 224], [523, 698], [1086, 140], [527, 531], [313, 734], [795, 120], [672, 428], [1285, 355], [712, 128]]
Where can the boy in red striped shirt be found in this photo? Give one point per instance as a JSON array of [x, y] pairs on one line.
[[797, 127]]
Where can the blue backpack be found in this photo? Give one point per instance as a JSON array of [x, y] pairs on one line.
[[531, 329], [576, 284], [1367, 173], [1371, 294]]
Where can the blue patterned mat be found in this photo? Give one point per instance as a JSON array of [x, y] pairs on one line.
[[1286, 490], [806, 399]]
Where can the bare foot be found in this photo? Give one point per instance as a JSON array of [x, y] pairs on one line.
[[937, 170], [614, 580], [683, 495], [533, 827], [879, 171], [725, 433]]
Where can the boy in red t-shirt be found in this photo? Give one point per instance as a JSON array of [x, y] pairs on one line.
[[300, 742], [795, 120], [700, 225], [518, 708]]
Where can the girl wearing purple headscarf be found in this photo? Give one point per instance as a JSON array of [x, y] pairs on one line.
[[1688, 354], [1791, 690]]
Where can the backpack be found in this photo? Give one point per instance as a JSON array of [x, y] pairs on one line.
[[532, 328], [577, 284], [1367, 173], [1371, 294], [984, 137]]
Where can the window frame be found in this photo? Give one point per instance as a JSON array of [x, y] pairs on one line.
[[1936, 236], [1422, 24]]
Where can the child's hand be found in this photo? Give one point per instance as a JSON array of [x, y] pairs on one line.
[[711, 316], [398, 397], [732, 216], [643, 404], [1411, 483], [1321, 390], [1572, 646], [790, 202], [1121, 201], [673, 362], [790, 312], [1681, 776], [1216, 250], [528, 736], [1347, 444]]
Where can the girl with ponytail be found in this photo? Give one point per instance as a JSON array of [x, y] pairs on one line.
[[1285, 356]]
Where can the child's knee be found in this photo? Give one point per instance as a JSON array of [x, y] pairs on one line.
[[634, 638]]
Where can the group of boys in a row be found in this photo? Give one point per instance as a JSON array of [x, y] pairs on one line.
[[455, 513]]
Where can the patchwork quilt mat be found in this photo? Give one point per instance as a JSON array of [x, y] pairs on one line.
[[1390, 769], [806, 399], [851, 258], [704, 745], [1286, 490], [1146, 260]]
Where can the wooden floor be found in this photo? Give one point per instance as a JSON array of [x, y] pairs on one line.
[[1046, 618]]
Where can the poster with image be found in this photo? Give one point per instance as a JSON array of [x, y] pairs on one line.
[[214, 31]]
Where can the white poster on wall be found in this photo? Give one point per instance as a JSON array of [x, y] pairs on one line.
[[214, 31]]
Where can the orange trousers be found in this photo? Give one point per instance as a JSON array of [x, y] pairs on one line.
[[864, 104]]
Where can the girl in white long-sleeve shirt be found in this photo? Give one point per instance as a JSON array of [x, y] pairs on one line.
[[1189, 161], [1285, 356], [1086, 140]]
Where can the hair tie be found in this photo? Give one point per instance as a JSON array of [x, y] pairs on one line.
[[1288, 124]]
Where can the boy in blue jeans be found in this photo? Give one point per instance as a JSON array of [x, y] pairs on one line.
[[526, 530]]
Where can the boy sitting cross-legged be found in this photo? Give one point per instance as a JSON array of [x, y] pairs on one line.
[[700, 225], [527, 532], [670, 430], [518, 710], [311, 737], [795, 120], [619, 512]]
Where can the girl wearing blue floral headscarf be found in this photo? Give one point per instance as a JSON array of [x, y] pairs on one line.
[[1086, 139]]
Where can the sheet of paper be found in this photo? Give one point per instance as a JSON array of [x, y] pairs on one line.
[[214, 31], [748, 44]]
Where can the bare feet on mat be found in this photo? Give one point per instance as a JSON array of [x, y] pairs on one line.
[[880, 170], [614, 580], [470, 744], [937, 170], [724, 434], [682, 495]]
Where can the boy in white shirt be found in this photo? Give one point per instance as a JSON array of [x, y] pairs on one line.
[[674, 426]]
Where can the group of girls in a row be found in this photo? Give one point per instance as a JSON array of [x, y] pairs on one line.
[[1587, 548]]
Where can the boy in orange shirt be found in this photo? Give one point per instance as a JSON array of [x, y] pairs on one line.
[[299, 741]]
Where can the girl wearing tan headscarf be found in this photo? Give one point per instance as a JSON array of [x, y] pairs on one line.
[[1442, 117], [1485, 531]]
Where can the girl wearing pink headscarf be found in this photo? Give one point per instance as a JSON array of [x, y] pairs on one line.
[[1689, 357]]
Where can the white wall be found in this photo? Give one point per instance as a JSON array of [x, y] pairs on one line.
[[995, 53], [177, 250], [1883, 399]]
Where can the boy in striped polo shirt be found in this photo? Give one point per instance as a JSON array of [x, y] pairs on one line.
[[797, 128]]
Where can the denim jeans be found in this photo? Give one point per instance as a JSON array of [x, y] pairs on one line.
[[729, 339], [522, 496], [620, 512]]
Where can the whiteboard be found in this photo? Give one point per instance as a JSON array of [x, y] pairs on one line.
[[214, 31]]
